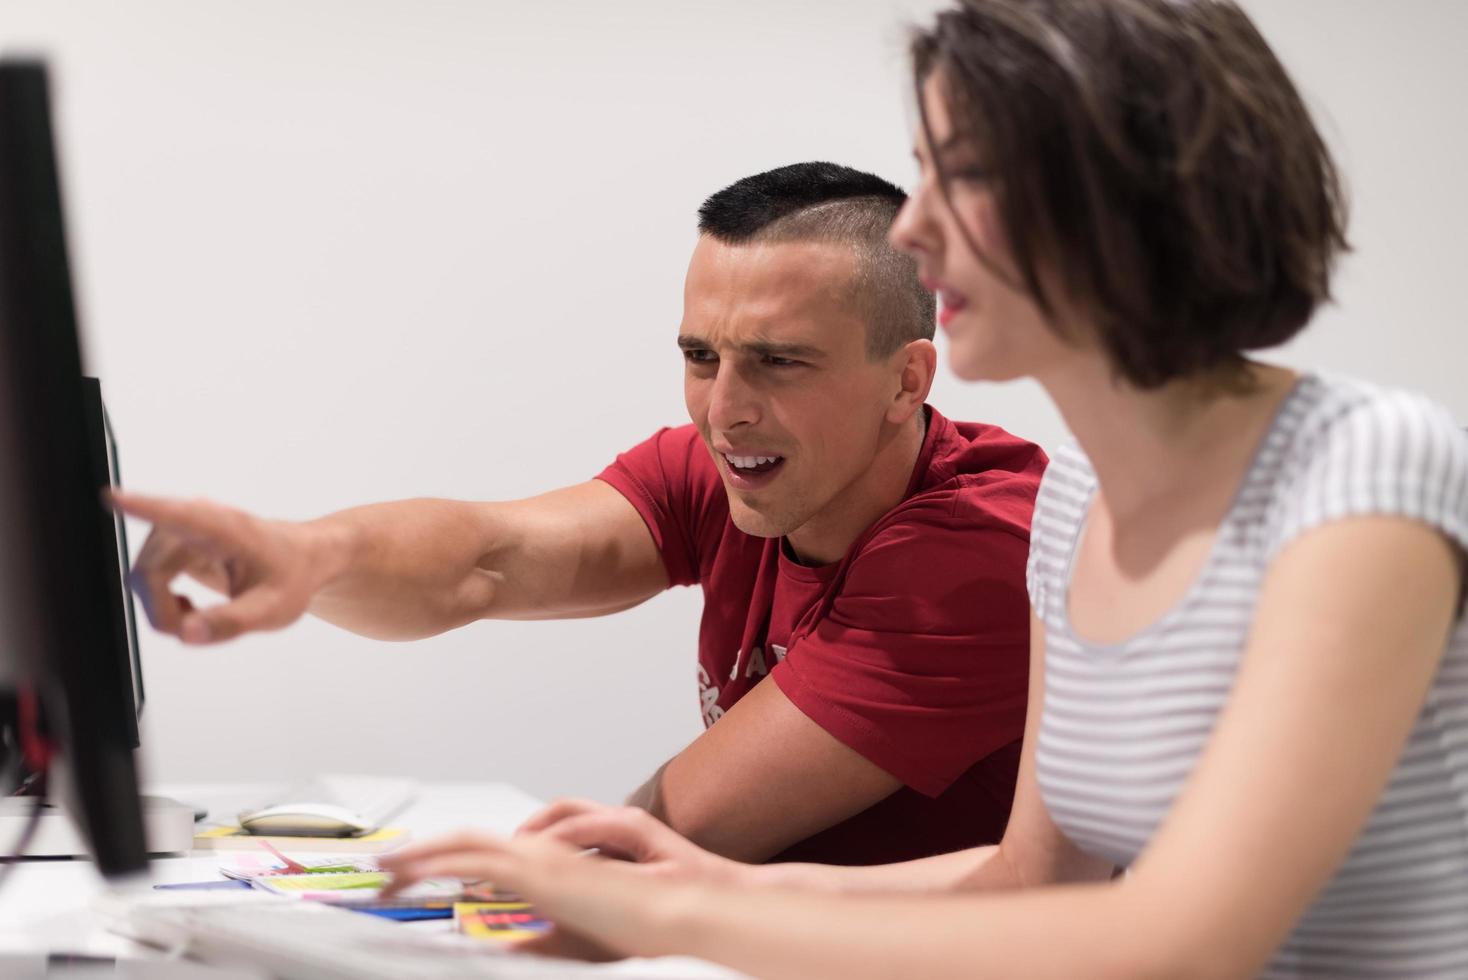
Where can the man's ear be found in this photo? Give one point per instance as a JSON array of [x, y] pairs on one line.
[[914, 363]]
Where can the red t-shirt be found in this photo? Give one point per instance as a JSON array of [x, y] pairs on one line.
[[913, 650]]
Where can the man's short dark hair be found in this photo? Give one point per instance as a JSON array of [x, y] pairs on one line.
[[826, 202]]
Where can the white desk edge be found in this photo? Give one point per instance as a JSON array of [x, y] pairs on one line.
[[45, 904]]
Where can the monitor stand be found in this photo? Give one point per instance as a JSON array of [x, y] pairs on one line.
[[168, 824]]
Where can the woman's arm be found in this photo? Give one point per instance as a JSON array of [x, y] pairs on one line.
[[1350, 627]]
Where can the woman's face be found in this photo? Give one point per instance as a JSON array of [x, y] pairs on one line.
[[996, 331]]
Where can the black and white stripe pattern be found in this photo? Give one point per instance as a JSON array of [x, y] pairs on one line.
[[1124, 723]]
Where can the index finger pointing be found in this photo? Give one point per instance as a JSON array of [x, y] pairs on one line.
[[199, 516]]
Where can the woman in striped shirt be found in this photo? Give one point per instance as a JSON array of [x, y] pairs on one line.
[[1250, 664]]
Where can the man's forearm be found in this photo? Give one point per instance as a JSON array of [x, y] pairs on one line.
[[404, 570], [415, 568], [649, 796], [943, 873]]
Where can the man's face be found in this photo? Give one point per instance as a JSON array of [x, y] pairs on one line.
[[777, 378]]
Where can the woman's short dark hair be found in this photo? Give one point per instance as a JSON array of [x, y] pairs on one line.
[[1151, 159]]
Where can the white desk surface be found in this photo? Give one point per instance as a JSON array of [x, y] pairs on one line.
[[45, 903]]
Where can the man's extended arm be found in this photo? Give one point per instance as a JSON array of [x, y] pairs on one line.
[[399, 570]]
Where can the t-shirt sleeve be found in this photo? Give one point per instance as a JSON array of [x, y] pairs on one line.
[[672, 483], [1034, 573], [922, 662], [1392, 453], [1060, 504]]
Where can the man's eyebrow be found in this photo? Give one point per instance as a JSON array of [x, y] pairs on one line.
[[760, 348], [767, 348]]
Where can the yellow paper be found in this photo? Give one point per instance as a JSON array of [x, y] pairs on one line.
[[499, 921]]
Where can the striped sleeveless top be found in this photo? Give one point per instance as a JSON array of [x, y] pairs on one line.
[[1123, 724]]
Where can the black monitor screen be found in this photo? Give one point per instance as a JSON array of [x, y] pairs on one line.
[[120, 667], [60, 599]]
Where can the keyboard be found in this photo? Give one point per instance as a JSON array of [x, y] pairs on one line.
[[371, 799], [297, 940]]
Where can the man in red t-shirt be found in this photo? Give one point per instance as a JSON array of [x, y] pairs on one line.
[[906, 648], [856, 548]]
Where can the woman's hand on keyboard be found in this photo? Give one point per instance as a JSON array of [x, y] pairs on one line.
[[602, 909], [630, 833]]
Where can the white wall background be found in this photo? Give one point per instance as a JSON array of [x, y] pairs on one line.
[[332, 252]]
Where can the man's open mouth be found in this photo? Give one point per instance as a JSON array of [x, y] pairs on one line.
[[752, 465]]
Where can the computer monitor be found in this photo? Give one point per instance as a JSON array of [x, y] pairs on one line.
[[56, 599], [123, 667]]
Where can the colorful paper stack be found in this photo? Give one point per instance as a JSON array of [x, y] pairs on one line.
[[499, 921]]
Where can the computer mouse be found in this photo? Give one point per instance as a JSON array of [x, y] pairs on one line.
[[305, 820]]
